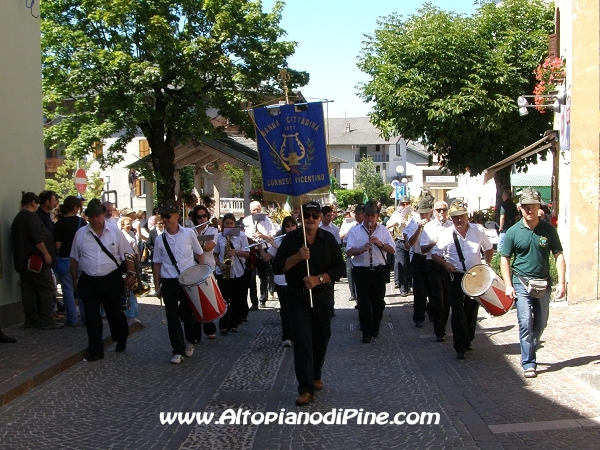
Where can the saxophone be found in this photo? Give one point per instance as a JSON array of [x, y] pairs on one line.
[[227, 261], [399, 227]]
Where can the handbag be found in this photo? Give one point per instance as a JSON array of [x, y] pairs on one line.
[[62, 265], [35, 263], [536, 287]]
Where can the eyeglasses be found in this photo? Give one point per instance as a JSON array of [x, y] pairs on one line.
[[314, 216], [202, 216], [441, 209], [167, 216]]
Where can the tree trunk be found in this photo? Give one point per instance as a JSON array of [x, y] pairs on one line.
[[502, 180], [163, 162]]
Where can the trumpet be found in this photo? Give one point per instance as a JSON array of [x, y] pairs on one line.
[[263, 241]]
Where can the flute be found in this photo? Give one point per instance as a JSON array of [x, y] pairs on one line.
[[263, 241], [200, 224]]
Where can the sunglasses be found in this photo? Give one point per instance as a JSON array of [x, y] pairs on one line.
[[314, 216], [167, 216], [441, 209], [202, 216]]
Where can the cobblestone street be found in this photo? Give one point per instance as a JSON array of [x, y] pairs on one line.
[[482, 402]]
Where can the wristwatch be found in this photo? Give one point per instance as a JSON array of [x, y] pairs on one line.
[[321, 280]]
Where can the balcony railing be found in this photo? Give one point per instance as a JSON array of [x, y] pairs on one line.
[[233, 205], [53, 163], [376, 158]]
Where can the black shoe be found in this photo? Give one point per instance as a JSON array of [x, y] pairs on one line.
[[403, 294], [366, 340], [375, 333], [244, 320], [7, 339], [92, 358], [33, 325], [121, 346], [263, 303], [253, 308], [419, 324], [440, 339], [224, 332], [461, 355]]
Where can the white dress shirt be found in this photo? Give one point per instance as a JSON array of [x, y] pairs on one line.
[[474, 240], [411, 228], [333, 230], [359, 236], [238, 263], [91, 258], [209, 256], [432, 231], [183, 244]]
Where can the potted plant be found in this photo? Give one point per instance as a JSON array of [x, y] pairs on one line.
[[549, 75]]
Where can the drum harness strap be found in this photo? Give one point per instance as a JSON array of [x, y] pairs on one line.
[[109, 254], [461, 257], [170, 253]]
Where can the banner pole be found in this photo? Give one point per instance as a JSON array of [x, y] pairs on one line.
[[307, 266]]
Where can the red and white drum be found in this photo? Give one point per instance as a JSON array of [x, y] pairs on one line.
[[203, 293], [483, 284]]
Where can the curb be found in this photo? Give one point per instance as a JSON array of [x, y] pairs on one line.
[[46, 370]]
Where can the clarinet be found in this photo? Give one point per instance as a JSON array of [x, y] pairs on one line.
[[370, 250]]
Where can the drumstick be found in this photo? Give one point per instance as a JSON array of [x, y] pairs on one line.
[[162, 309]]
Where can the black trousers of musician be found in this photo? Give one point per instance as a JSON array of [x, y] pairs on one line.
[[370, 295], [178, 311], [249, 280], [107, 290], [287, 332], [234, 292], [438, 297], [464, 313], [404, 268], [265, 276], [312, 330], [420, 287]]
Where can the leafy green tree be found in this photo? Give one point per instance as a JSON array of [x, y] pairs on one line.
[[451, 81], [236, 177], [63, 182], [165, 68], [367, 179]]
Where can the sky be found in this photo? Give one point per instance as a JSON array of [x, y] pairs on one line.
[[330, 35]]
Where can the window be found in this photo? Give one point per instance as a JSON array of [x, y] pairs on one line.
[[144, 148], [398, 150], [98, 149], [140, 187], [377, 168], [377, 148], [363, 152]]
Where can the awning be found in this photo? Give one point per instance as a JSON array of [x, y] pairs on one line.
[[549, 140]]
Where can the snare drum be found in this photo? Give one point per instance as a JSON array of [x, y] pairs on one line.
[[202, 292], [483, 284]]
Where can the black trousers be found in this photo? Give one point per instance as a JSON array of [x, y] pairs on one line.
[[234, 292], [420, 288], [438, 297], [178, 311], [106, 290], [287, 332], [464, 313], [404, 269], [312, 330], [370, 295]]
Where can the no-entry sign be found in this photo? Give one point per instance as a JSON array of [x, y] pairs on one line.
[[80, 180]]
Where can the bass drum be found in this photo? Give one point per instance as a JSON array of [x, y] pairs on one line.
[[483, 284], [202, 292]]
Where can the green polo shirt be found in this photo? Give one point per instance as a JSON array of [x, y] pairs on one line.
[[531, 248]]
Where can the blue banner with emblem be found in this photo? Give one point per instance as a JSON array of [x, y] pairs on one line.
[[292, 148]]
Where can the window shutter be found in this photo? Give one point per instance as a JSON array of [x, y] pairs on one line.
[[144, 148], [98, 149], [138, 187]]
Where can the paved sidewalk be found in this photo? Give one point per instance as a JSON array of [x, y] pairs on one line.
[[483, 402]]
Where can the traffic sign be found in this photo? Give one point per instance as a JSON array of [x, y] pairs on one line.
[[80, 180], [400, 191], [395, 183]]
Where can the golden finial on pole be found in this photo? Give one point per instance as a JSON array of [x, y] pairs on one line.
[[284, 77]]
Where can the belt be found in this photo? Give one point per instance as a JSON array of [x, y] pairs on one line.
[[315, 289]]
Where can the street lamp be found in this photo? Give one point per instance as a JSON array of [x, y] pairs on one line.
[[399, 170], [560, 99], [106, 182]]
